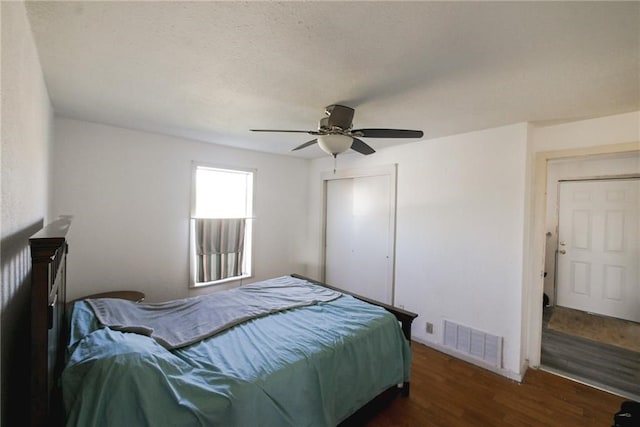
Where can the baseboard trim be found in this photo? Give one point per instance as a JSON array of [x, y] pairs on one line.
[[502, 372]]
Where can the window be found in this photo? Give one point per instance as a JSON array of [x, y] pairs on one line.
[[221, 224]]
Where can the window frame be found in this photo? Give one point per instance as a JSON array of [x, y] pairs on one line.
[[249, 230]]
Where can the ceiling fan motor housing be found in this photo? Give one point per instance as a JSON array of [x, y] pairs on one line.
[[323, 124], [339, 116]]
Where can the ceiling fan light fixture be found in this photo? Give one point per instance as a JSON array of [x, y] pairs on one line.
[[334, 143]]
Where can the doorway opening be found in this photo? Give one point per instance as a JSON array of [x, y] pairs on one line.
[[591, 310]]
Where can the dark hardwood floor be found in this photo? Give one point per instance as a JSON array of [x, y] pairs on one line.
[[446, 391], [606, 366]]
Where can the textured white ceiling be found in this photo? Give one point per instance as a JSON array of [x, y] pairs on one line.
[[213, 70]]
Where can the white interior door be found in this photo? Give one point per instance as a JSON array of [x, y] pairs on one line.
[[598, 241], [359, 235]]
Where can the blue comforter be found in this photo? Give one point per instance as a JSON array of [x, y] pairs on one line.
[[308, 366]]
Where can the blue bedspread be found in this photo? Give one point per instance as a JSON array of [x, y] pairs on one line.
[[309, 366]]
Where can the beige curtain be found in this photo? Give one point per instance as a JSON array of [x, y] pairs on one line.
[[219, 248]]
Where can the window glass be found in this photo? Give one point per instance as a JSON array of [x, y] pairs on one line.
[[223, 193]]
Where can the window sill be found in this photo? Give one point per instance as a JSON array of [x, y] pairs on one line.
[[228, 280]]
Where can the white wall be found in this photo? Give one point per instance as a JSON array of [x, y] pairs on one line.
[[460, 228], [607, 130], [26, 119], [130, 192]]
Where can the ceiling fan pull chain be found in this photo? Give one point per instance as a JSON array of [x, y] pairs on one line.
[[335, 163]]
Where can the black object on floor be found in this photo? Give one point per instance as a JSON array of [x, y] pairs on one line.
[[628, 415]]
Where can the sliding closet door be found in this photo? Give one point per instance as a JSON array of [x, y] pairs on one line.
[[360, 234]]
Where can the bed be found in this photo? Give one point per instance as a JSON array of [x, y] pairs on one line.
[[310, 364]]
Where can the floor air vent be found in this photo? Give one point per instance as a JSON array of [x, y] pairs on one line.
[[474, 343]]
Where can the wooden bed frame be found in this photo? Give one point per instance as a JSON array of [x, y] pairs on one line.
[[48, 316], [49, 250]]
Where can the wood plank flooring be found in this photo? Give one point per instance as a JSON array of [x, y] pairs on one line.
[[604, 365], [446, 391]]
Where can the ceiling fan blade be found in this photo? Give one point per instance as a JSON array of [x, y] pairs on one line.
[[310, 132], [387, 133], [340, 116], [305, 145], [361, 147]]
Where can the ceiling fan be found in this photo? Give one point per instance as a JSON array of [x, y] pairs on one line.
[[335, 134]]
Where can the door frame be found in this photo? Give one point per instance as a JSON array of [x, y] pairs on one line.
[[391, 171], [536, 242]]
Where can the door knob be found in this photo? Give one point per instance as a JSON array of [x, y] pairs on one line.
[[562, 251]]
